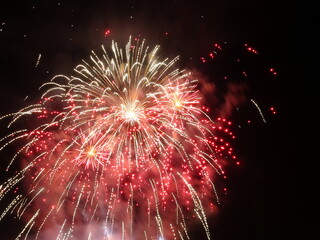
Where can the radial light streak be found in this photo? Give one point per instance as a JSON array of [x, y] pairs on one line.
[[124, 147]]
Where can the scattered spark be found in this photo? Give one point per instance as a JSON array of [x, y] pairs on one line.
[[107, 32], [251, 49], [38, 60], [272, 109], [273, 71], [257, 106]]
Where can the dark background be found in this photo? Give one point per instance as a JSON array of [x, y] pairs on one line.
[[268, 193]]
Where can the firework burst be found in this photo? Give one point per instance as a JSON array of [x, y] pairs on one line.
[[125, 144]]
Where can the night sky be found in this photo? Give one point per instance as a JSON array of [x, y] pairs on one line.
[[265, 198]]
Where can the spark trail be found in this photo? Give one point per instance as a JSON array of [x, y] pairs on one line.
[[123, 149]]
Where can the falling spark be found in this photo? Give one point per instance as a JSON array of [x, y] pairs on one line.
[[260, 112], [38, 60]]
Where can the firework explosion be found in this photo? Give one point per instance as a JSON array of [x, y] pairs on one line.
[[125, 148]]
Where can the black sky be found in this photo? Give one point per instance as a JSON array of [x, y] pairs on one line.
[[266, 192]]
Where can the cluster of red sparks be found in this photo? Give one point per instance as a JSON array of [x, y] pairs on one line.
[[126, 144]]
